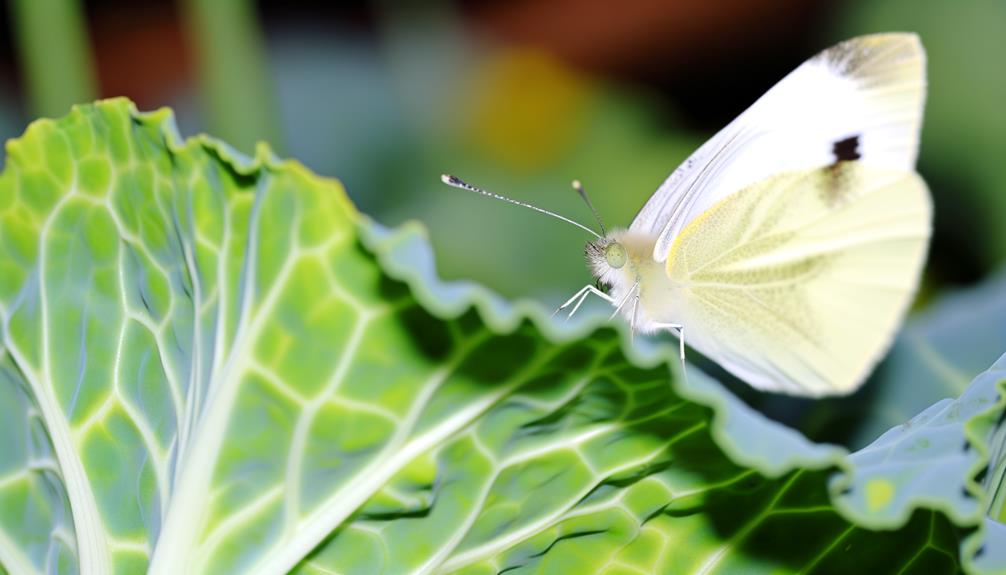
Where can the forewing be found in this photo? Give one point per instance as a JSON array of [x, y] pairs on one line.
[[797, 283], [861, 100]]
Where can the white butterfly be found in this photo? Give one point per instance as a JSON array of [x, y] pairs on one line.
[[789, 245]]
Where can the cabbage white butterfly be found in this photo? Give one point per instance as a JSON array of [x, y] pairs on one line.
[[791, 243]]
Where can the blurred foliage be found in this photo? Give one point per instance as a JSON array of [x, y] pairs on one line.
[[233, 71], [55, 54]]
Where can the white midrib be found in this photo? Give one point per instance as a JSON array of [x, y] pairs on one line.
[[13, 559], [284, 557], [366, 483], [176, 545], [93, 554]]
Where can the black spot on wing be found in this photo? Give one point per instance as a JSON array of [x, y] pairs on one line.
[[846, 150], [839, 180]]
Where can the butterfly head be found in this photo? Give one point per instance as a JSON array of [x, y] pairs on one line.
[[606, 257], [622, 258]]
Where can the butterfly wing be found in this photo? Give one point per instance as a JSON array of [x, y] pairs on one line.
[[797, 283], [860, 100]]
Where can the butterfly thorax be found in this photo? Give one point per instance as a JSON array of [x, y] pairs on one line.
[[623, 262]]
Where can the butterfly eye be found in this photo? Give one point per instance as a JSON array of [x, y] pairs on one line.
[[615, 255]]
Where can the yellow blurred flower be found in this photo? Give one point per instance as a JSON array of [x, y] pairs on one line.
[[527, 109]]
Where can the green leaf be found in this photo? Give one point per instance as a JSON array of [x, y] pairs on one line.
[[212, 363], [32, 497], [943, 458]]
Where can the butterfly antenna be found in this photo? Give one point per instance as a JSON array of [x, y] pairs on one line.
[[583, 194], [459, 183]]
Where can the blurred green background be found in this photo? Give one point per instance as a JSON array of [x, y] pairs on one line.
[[520, 97]]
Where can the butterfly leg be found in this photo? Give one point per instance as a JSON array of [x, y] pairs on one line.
[[623, 301], [580, 297], [580, 294], [680, 332], [632, 318]]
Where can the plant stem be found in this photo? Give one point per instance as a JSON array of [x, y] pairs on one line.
[[55, 56], [233, 71]]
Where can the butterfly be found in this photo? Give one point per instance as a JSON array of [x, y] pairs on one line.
[[789, 246]]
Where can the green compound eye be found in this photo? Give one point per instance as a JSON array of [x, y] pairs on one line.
[[615, 254]]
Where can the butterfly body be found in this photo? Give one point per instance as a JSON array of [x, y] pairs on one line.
[[641, 283]]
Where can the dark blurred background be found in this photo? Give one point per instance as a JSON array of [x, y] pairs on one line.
[[517, 96]]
